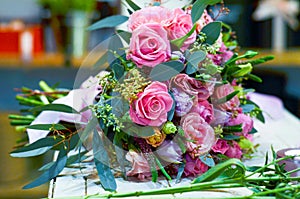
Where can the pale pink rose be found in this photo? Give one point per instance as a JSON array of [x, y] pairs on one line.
[[140, 167], [191, 86], [223, 91], [204, 109], [194, 167], [199, 134], [148, 15], [179, 25], [234, 151], [152, 105], [245, 120], [220, 147], [149, 45]]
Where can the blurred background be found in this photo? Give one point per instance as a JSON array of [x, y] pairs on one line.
[[47, 40]]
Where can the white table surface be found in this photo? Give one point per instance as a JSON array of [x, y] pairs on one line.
[[281, 132]]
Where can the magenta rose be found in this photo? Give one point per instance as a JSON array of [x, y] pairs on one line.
[[199, 134], [234, 150], [191, 86], [223, 91], [194, 167], [220, 147], [245, 120], [140, 167], [149, 15], [152, 105], [179, 25], [149, 45], [205, 110]]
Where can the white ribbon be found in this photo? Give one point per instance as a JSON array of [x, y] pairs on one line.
[[287, 9]]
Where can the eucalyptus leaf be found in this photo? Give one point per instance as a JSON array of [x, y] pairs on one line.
[[119, 151], [231, 137], [207, 159], [126, 36], [166, 70], [39, 147], [118, 70], [101, 160], [172, 111], [247, 108], [193, 60], [231, 168], [54, 107], [108, 22], [180, 172], [133, 129], [199, 6], [212, 32], [89, 128], [47, 127], [52, 172], [102, 62]]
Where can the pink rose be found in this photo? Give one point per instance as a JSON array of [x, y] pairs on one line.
[[245, 120], [234, 151], [179, 25], [194, 167], [148, 15], [191, 86], [151, 106], [223, 91], [149, 45], [199, 134], [204, 109], [220, 147], [140, 166]]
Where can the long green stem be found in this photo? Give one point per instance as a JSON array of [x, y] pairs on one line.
[[267, 165], [264, 193]]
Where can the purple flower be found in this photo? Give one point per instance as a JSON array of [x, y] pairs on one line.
[[204, 109], [223, 55], [177, 55], [245, 120], [234, 151], [170, 151], [183, 102], [194, 167]]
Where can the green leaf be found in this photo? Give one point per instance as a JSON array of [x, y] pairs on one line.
[[248, 55], [47, 127], [118, 70], [119, 151], [108, 22], [172, 111], [133, 129], [125, 35], [101, 160], [54, 107], [245, 143], [133, 5], [231, 137], [89, 128], [193, 61], [254, 78], [212, 32], [199, 6], [179, 42], [207, 159], [39, 147], [227, 98], [166, 70], [53, 171], [232, 168]]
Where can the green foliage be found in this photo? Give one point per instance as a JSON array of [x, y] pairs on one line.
[[212, 32], [199, 6], [108, 22], [193, 59], [166, 70]]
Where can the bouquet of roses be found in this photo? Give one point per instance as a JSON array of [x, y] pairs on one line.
[[170, 104]]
